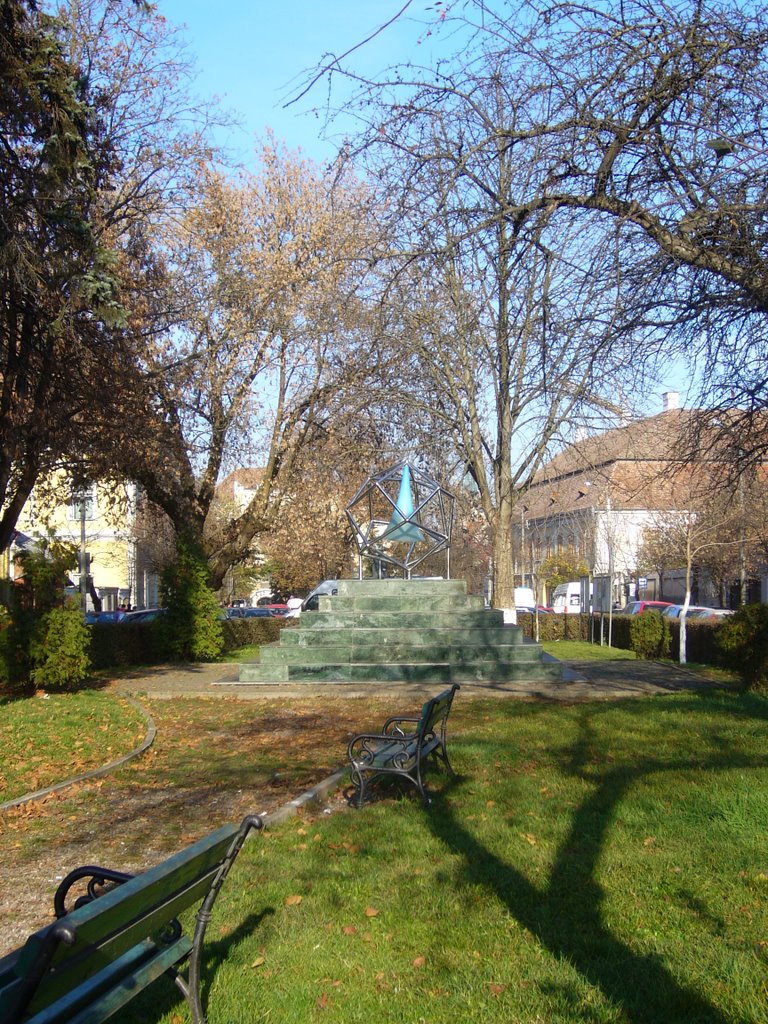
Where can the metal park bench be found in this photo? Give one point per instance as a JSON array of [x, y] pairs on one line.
[[119, 937], [402, 751]]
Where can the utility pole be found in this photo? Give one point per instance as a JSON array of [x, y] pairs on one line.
[[610, 567], [83, 558]]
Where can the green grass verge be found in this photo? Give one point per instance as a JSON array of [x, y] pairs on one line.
[[599, 863], [581, 650], [248, 653], [52, 737]]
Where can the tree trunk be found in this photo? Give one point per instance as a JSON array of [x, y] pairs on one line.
[[503, 558]]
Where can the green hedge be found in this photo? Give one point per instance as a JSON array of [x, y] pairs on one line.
[[144, 643], [555, 627], [259, 631], [701, 639]]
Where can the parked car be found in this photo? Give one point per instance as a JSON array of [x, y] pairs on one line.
[[711, 613], [566, 599], [144, 615], [112, 616], [276, 609], [254, 613], [311, 603], [674, 610], [636, 607]]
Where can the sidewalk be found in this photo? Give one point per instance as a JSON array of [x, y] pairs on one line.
[[598, 680]]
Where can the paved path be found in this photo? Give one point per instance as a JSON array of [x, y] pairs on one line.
[[594, 680]]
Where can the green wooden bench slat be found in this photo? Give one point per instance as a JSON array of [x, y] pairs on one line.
[[74, 964], [98, 956], [128, 913], [114, 986]]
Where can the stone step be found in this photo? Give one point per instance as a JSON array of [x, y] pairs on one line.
[[411, 619], [491, 636], [491, 672], [503, 672], [346, 673], [414, 653], [401, 631], [407, 603], [396, 588]]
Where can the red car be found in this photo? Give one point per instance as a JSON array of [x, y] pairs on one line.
[[635, 607]]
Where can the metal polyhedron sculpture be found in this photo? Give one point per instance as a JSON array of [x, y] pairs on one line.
[[400, 517]]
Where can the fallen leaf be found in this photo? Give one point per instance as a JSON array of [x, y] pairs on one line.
[[371, 912], [292, 901], [490, 803], [349, 929], [496, 990], [419, 961], [259, 961], [323, 1001]]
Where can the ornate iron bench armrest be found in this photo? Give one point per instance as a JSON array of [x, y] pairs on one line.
[[98, 883], [363, 749], [394, 724]]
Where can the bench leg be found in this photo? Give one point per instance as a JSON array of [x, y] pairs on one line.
[[441, 753], [358, 781]]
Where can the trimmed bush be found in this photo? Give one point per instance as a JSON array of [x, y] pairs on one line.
[[649, 634], [743, 642], [146, 643], [59, 648]]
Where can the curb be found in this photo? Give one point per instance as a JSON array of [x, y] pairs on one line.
[[95, 773], [315, 795]]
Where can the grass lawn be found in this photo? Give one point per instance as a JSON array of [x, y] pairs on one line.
[[592, 863], [48, 738], [581, 650]]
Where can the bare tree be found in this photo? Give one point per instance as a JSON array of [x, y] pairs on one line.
[[648, 115], [503, 325], [708, 527]]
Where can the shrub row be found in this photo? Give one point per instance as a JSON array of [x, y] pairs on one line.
[[648, 637], [555, 627], [146, 643]]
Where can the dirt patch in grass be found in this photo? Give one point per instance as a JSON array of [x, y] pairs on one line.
[[214, 761]]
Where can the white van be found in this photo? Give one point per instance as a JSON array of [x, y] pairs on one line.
[[312, 602], [567, 599], [524, 599]]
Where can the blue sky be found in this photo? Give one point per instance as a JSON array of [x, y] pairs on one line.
[[251, 52]]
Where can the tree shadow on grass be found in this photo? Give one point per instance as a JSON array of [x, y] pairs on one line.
[[566, 913]]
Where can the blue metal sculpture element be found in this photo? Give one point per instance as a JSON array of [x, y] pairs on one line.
[[401, 525], [406, 529]]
